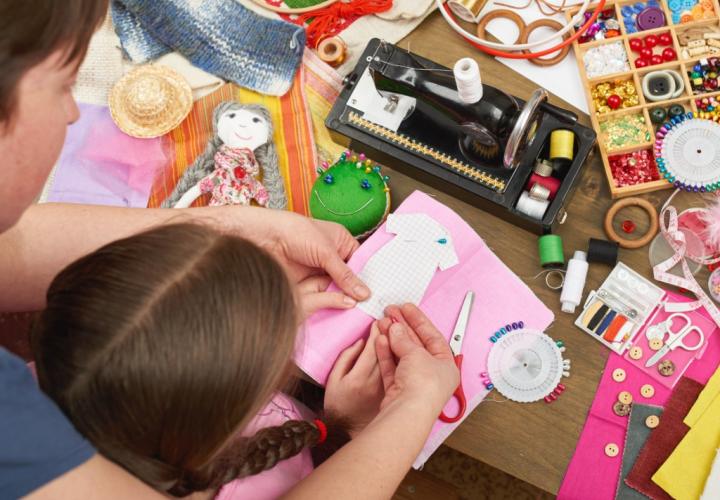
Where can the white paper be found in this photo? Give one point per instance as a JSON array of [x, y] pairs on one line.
[[401, 271], [562, 79]]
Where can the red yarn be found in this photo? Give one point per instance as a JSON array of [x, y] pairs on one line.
[[331, 20]]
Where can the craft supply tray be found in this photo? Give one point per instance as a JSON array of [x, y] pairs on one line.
[[619, 156], [431, 154]]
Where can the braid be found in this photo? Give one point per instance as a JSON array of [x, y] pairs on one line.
[[250, 456]]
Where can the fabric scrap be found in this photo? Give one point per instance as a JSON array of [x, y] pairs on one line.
[[712, 485], [707, 396], [635, 437], [684, 473], [664, 439], [218, 36]]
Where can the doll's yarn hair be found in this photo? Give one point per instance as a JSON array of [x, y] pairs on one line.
[[266, 156], [160, 348]]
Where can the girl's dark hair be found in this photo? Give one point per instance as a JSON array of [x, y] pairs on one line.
[[31, 30], [162, 346]]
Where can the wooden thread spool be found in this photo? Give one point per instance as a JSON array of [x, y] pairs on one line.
[[332, 50]]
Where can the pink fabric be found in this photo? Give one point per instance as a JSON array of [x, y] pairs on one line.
[[592, 474], [682, 358], [100, 165], [277, 481], [501, 298]]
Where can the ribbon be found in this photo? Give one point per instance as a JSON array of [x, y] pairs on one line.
[[676, 239], [333, 19]]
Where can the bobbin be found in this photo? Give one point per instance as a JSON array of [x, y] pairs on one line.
[[332, 50], [629, 202], [547, 23]]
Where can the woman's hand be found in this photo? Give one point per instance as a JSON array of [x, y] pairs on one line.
[[415, 360], [304, 246], [312, 297], [354, 388]]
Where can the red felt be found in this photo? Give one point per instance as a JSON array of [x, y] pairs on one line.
[[663, 440]]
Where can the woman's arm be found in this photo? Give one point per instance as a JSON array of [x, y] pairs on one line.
[[50, 236], [373, 464]]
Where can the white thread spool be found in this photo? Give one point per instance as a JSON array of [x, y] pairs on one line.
[[532, 207], [572, 291], [467, 79]]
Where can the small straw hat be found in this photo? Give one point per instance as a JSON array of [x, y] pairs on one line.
[[150, 101]]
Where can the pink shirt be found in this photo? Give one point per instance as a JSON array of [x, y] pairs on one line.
[[277, 481]]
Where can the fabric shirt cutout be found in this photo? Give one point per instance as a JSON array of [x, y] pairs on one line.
[[401, 271], [234, 180], [275, 482]]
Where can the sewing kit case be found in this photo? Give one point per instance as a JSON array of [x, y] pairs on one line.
[[433, 154], [644, 308]]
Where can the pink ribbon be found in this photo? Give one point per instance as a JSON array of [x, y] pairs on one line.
[[676, 239]]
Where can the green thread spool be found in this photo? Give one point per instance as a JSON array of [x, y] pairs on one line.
[[550, 248]]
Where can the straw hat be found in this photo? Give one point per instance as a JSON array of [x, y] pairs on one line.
[[150, 101]]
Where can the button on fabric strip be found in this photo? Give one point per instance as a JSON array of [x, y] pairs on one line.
[[618, 375], [612, 450]]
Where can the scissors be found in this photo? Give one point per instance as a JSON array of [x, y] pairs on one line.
[[456, 347], [676, 338]]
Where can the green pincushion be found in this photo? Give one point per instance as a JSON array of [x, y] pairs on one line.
[[352, 192]]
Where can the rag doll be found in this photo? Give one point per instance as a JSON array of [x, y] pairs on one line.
[[241, 148]]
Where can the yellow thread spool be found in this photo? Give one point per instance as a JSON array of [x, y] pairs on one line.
[[562, 143], [467, 10]]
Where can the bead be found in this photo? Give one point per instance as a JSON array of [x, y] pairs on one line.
[[376, 169], [368, 163], [515, 326], [640, 62], [646, 53], [657, 115], [614, 101], [489, 387], [442, 241], [508, 328], [636, 44], [665, 39], [368, 170], [669, 54], [361, 157], [365, 184], [493, 339], [328, 179], [522, 324], [386, 178], [353, 158], [559, 343], [628, 226], [503, 330], [651, 41], [675, 111], [656, 59]]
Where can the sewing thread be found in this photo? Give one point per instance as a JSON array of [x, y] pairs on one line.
[[531, 207], [467, 79], [574, 282]]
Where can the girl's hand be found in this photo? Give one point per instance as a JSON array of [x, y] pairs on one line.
[[425, 370], [355, 388], [312, 297]]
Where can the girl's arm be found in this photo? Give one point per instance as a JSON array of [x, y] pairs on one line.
[[373, 464]]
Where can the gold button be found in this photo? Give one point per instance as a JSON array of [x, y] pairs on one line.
[[656, 344], [618, 375], [621, 409], [636, 352], [652, 421], [647, 391], [625, 397], [612, 450]]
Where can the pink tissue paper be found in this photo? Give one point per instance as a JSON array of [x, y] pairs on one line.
[[500, 298]]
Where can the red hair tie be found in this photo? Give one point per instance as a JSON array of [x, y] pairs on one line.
[[322, 428]]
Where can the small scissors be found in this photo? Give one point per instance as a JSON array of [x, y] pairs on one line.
[[456, 347], [677, 338]]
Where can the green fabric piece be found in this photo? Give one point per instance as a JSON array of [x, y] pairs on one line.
[[345, 201], [637, 434]]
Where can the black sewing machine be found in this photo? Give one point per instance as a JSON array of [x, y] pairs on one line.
[[404, 111]]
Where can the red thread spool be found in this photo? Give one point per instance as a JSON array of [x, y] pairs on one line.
[[551, 183]]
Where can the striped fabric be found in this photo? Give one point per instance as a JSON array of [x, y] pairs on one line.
[[298, 117]]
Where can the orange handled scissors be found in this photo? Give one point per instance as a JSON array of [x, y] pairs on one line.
[[456, 347]]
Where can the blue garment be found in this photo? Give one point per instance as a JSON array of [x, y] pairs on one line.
[[37, 442], [219, 36]]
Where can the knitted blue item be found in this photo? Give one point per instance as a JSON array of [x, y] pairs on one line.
[[219, 36]]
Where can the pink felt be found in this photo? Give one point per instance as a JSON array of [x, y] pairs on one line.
[[592, 474], [501, 298], [679, 356]]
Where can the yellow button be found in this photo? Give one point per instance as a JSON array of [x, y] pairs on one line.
[[647, 391], [612, 450], [652, 421], [618, 375], [636, 352], [625, 397], [656, 344]]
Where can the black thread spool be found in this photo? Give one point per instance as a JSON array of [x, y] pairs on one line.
[[603, 251]]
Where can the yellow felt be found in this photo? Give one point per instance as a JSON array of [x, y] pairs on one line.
[[684, 473], [707, 396]]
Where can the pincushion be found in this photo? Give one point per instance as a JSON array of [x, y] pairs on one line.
[[352, 192]]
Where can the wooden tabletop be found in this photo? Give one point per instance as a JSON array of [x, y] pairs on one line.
[[533, 442]]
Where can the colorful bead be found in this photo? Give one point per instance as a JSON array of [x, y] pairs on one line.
[[628, 226], [328, 179], [489, 387], [606, 59], [365, 184]]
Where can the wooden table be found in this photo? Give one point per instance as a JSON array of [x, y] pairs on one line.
[[533, 442]]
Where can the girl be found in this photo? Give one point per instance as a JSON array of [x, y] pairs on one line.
[[162, 347]]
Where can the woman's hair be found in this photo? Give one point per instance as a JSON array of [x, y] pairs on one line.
[[266, 156], [31, 30], [162, 346]]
